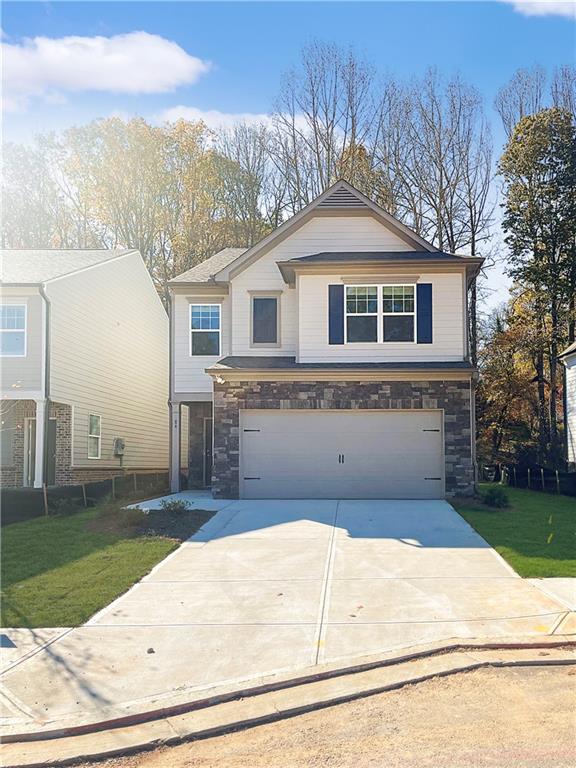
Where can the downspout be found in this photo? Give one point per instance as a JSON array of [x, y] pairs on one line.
[[48, 305]]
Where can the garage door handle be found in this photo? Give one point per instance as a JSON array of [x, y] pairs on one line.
[[340, 458]]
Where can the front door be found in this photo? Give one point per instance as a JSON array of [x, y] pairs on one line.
[[207, 453]]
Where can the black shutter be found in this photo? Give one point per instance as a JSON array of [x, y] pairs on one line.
[[424, 313], [336, 314]]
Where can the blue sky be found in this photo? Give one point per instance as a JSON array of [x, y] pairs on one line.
[[228, 58]]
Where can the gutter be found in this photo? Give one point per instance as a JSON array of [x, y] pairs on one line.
[[48, 304]]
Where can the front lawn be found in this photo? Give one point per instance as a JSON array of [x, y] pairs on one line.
[[536, 534], [58, 571]]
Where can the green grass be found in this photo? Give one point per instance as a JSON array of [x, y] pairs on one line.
[[56, 572], [536, 535]]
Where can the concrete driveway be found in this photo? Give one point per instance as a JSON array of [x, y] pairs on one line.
[[269, 586]]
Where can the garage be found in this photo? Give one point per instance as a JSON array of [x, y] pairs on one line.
[[341, 454]]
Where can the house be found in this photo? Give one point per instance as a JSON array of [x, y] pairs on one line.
[[568, 358], [329, 360], [84, 367]]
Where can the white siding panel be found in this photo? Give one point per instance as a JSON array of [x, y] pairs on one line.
[[24, 374], [447, 325], [109, 356], [189, 371], [571, 409], [322, 233]]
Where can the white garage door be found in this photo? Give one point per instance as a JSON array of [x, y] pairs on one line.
[[341, 454]]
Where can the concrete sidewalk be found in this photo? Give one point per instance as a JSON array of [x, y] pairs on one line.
[[270, 587]]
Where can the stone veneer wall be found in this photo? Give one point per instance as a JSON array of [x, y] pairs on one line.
[[452, 396]]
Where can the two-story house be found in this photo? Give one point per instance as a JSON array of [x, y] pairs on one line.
[[330, 360], [83, 367], [568, 358]]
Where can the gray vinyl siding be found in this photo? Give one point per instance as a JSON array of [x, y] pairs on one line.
[[24, 374], [109, 357]]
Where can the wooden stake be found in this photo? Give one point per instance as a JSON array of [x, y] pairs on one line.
[[45, 494], [84, 495], [557, 482], [542, 476]]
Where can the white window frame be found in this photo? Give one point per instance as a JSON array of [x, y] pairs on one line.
[[363, 314], [205, 330], [17, 330], [399, 314], [380, 314], [99, 436]]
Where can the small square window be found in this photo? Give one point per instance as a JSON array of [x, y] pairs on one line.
[[13, 330]]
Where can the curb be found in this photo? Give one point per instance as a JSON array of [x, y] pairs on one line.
[[277, 699]]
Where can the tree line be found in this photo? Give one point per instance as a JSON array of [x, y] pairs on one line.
[[421, 148]]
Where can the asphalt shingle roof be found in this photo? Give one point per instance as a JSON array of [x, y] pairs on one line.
[[18, 266], [289, 363], [202, 272], [332, 256]]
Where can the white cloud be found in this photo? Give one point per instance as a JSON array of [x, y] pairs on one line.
[[137, 62], [545, 7], [213, 118]]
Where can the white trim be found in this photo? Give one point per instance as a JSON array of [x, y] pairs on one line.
[[380, 314], [99, 437], [23, 306], [205, 330], [26, 463]]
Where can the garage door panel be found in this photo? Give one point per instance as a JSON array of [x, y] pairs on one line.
[[341, 454]]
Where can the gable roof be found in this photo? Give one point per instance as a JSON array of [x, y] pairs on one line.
[[34, 266], [340, 196], [206, 270], [343, 196]]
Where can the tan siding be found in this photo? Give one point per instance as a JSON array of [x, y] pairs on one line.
[[189, 375], [24, 374], [571, 414], [322, 233], [110, 357], [447, 320]]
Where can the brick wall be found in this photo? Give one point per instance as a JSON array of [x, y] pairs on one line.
[[452, 396]]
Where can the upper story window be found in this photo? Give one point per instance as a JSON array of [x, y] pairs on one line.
[[94, 436], [379, 313], [205, 329], [13, 330], [265, 321]]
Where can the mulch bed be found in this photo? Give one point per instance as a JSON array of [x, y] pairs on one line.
[[174, 525]]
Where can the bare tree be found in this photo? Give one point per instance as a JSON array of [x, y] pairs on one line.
[[563, 88], [522, 95]]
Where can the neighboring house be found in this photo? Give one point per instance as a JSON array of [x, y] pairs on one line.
[[329, 360], [84, 367], [568, 358]]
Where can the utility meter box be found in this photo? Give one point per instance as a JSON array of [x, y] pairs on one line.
[[119, 446]]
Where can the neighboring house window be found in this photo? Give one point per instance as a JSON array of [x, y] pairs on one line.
[[205, 329], [398, 311], [94, 436], [13, 330], [265, 320], [361, 313]]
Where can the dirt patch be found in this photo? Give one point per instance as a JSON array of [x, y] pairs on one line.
[[178, 525], [174, 525], [508, 718]]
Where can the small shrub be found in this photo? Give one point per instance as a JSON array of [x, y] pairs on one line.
[[495, 497], [174, 506]]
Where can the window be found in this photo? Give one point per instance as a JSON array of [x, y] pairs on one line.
[[265, 320], [398, 312], [13, 330], [94, 436], [204, 329], [394, 304], [361, 313]]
